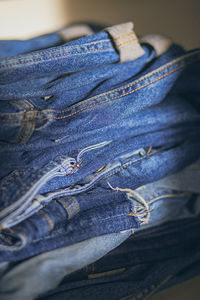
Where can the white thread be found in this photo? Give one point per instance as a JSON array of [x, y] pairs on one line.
[[142, 214]]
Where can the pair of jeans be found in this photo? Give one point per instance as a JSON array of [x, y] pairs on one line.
[[173, 198], [134, 270], [38, 275], [33, 166], [124, 210], [73, 213]]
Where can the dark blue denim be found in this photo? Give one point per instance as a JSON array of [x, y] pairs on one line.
[[134, 270], [143, 130], [102, 220], [84, 124], [166, 205], [18, 282], [167, 200]]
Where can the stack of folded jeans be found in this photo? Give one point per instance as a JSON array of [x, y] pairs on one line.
[[100, 164]]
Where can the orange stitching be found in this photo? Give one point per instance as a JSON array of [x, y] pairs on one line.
[[127, 42], [84, 108], [20, 134], [115, 90], [50, 223], [123, 35], [20, 105], [54, 56], [122, 88], [149, 150], [67, 206], [30, 130], [23, 128], [74, 202], [86, 44], [29, 104], [100, 169]]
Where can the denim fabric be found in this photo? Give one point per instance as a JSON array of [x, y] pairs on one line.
[[47, 146], [110, 218], [44, 272], [134, 270], [70, 217], [164, 207], [10, 48], [83, 140]]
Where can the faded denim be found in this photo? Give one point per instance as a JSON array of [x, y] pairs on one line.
[[134, 270]]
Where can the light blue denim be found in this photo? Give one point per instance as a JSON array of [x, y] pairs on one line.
[[44, 272]]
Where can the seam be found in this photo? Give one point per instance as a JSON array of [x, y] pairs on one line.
[[126, 42], [48, 219], [21, 133], [20, 136], [30, 105], [88, 228], [127, 86], [20, 105], [121, 88], [53, 56], [168, 196], [120, 96], [118, 89], [129, 164], [60, 48], [30, 130], [75, 204], [28, 134], [123, 35], [66, 206], [107, 100]]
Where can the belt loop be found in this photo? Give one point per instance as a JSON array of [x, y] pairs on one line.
[[75, 31], [126, 41]]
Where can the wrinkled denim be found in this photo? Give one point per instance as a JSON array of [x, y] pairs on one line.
[[134, 270], [40, 143], [44, 272], [61, 223], [84, 141], [167, 205]]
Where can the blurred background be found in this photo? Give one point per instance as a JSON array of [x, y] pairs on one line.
[[178, 19]]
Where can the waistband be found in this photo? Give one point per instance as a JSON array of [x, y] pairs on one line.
[[114, 44]]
